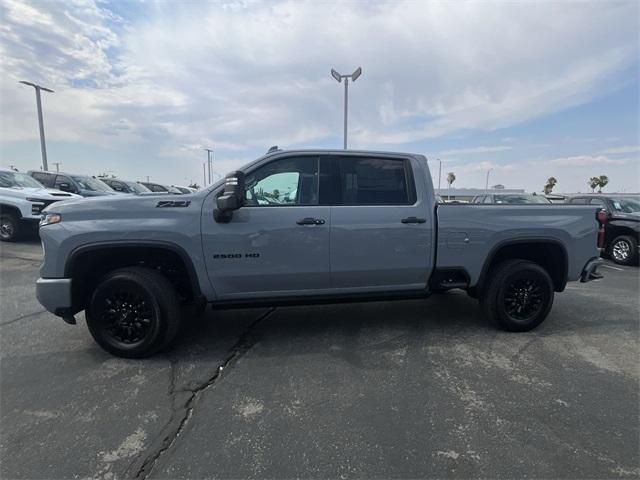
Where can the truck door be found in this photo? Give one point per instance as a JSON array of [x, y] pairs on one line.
[[277, 244], [381, 226]]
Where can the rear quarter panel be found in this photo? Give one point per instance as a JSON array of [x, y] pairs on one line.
[[487, 227]]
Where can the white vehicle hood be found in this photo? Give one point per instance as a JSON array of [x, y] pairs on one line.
[[40, 193]]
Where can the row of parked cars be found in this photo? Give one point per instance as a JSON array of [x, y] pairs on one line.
[[23, 196], [88, 186]]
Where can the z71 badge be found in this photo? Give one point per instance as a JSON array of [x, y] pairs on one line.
[[173, 203]]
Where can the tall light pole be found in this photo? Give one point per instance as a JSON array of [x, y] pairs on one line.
[[354, 76], [204, 174], [439, 173], [57, 164], [209, 159], [40, 122], [486, 185]]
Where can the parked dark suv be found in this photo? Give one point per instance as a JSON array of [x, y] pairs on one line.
[[622, 230], [67, 182]]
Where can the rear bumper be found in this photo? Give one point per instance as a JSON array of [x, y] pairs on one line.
[[590, 270], [54, 294]]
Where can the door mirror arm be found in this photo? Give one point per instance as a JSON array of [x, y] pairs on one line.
[[231, 199]]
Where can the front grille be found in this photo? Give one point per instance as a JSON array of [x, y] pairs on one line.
[[37, 207]]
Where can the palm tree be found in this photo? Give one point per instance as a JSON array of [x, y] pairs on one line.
[[593, 182], [451, 177], [551, 182], [602, 182]]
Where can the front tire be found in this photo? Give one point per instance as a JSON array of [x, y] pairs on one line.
[[134, 312], [9, 227], [518, 295], [624, 250]]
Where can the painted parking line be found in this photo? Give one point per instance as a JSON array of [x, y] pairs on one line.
[[613, 268]]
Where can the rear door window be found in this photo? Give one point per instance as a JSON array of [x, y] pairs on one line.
[[375, 181]]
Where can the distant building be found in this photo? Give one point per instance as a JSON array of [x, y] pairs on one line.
[[466, 194]]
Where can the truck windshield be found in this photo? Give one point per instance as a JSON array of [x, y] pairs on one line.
[[16, 179], [92, 184], [626, 204]]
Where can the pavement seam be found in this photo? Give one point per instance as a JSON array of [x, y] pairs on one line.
[[27, 259], [21, 317], [177, 423]]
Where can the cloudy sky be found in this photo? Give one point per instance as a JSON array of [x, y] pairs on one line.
[[528, 89]]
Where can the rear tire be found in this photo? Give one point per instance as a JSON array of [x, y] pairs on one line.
[[518, 295], [624, 250], [134, 312], [10, 228]]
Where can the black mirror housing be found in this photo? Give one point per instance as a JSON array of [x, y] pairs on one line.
[[232, 198]]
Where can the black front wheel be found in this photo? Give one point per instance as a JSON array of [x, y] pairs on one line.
[[518, 295], [133, 312]]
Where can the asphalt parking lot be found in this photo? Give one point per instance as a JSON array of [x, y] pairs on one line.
[[421, 388]]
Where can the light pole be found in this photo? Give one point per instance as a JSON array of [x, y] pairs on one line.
[[486, 185], [204, 174], [354, 76], [57, 164], [209, 152], [439, 173], [40, 123]]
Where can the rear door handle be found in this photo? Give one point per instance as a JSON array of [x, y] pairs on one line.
[[413, 220], [310, 221]]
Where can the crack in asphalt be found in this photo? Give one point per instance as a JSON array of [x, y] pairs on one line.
[[22, 317], [182, 413], [26, 259]]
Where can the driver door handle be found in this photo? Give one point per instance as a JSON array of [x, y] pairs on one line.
[[413, 220], [310, 221]]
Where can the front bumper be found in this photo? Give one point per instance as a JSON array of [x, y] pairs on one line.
[[590, 270], [54, 294]]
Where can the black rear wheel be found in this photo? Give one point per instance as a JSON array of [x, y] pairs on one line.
[[518, 296], [133, 312]]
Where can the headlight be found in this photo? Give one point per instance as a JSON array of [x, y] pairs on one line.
[[50, 219]]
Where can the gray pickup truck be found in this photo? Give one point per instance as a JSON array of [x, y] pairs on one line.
[[298, 227]]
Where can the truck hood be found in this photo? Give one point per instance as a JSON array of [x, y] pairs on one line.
[[40, 193], [125, 206], [631, 217]]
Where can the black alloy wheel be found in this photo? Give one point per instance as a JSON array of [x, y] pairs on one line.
[[523, 298], [133, 312]]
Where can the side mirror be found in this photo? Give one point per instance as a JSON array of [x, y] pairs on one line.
[[65, 187], [231, 199]]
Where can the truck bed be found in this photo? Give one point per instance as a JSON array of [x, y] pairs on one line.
[[468, 234]]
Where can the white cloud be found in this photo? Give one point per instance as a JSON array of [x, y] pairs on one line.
[[477, 150], [621, 150], [585, 160]]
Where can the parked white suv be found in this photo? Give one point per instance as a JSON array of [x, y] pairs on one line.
[[22, 199]]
